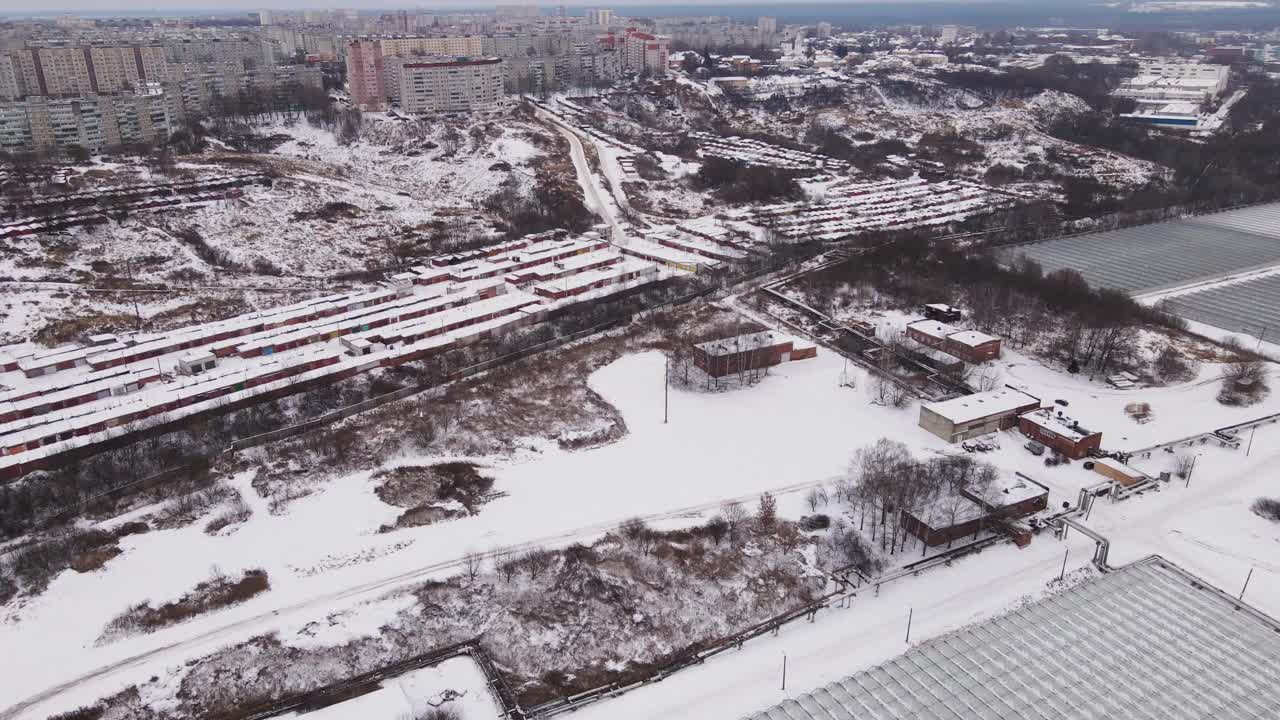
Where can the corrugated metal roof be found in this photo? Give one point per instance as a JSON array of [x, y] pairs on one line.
[[1155, 257], [1146, 642]]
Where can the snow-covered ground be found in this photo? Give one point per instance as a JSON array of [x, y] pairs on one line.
[[1207, 529], [455, 685], [327, 561]]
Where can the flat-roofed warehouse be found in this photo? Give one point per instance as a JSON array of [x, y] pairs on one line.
[[1192, 253], [1148, 641], [968, 417]]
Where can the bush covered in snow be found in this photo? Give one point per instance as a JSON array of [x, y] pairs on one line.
[[1268, 508]]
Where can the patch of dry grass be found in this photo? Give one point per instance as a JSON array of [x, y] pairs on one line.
[[213, 594]]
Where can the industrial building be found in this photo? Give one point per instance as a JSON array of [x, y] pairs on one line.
[[971, 416], [1148, 641], [1055, 430], [1187, 252], [727, 356], [952, 517], [970, 346]]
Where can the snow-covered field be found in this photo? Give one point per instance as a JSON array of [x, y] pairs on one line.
[[455, 685], [325, 558]]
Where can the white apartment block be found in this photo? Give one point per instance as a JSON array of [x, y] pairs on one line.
[[443, 86]]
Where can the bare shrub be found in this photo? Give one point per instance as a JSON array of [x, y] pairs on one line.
[[1173, 366], [218, 592], [1243, 383], [1183, 465], [439, 713], [237, 513], [1267, 508]]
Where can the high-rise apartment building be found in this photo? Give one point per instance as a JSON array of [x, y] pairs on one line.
[[367, 67], [9, 87], [365, 73], [645, 53], [435, 86], [599, 17], [93, 122], [72, 71]]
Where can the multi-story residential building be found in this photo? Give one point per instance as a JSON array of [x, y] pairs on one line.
[[93, 122], [517, 10], [645, 53], [9, 88], [367, 79], [599, 17], [445, 85], [73, 71], [365, 74], [251, 49], [416, 46]]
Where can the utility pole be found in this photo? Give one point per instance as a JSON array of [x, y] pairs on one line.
[[910, 613], [666, 390], [1191, 470], [1064, 565], [784, 671], [1251, 434], [1246, 583]]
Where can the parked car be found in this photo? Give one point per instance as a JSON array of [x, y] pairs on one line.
[[1035, 447]]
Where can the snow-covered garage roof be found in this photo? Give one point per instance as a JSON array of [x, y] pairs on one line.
[[1149, 641]]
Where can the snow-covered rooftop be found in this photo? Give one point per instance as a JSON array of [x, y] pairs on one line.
[[972, 338], [1149, 641], [1058, 423], [742, 343], [971, 407]]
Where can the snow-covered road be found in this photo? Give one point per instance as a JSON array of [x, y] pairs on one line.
[[596, 200]]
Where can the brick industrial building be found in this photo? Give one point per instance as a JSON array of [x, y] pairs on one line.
[[1057, 431], [719, 358], [970, 346], [952, 517]]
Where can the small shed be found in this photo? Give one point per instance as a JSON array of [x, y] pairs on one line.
[[197, 362], [943, 313], [1118, 471]]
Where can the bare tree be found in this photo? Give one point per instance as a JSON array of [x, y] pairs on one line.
[[767, 511], [734, 515], [537, 561], [472, 563], [717, 528], [813, 497]]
